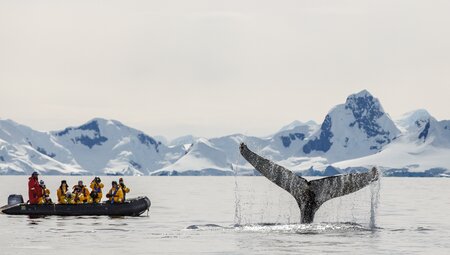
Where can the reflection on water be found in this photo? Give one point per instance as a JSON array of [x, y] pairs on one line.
[[33, 222], [191, 215]]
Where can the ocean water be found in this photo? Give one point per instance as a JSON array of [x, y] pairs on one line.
[[240, 215]]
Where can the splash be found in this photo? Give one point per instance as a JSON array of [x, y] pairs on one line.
[[237, 199], [315, 228], [310, 195], [374, 201]]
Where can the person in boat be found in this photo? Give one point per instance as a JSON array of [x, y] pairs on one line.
[[70, 199], [45, 198], [81, 193], [115, 194], [61, 192], [96, 192], [124, 188], [34, 189]]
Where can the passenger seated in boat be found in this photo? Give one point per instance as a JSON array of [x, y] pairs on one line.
[[115, 194], [69, 198], [61, 192], [96, 192], [45, 197], [81, 193], [124, 188]]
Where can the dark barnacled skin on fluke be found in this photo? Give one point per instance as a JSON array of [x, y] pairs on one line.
[[310, 195]]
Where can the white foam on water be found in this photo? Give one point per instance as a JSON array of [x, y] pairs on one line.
[[303, 228], [315, 228]]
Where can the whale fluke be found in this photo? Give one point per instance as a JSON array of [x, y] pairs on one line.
[[310, 195]]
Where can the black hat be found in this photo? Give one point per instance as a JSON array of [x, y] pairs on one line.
[[114, 182], [34, 173], [63, 181]]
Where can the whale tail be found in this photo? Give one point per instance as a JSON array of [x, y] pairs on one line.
[[310, 195]]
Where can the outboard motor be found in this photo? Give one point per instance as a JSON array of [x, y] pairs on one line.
[[15, 199]]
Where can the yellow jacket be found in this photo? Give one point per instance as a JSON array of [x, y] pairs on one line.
[[124, 188], [83, 196], [45, 198], [46, 192], [61, 194], [97, 187], [116, 195], [70, 201]]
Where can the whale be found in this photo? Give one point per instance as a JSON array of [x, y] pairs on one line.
[[310, 195]]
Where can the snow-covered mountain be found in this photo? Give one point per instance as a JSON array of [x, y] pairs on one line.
[[358, 128], [203, 158], [353, 137], [97, 147], [420, 127], [423, 149], [183, 140], [297, 123], [24, 150], [216, 156]]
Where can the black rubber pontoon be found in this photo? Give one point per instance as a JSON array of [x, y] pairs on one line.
[[131, 207]]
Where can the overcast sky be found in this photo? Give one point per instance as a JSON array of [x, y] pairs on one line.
[[211, 68]]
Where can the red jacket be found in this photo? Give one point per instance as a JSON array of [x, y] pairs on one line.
[[34, 190]]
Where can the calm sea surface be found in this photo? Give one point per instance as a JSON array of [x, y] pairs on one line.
[[243, 215]]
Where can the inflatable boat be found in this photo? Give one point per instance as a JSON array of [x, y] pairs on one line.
[[131, 207]]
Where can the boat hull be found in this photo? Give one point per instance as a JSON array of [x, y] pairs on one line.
[[132, 207]]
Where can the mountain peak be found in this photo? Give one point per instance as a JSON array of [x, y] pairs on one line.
[[103, 122], [8, 121], [361, 118], [187, 139], [362, 99], [12, 123], [297, 123], [412, 116], [362, 93], [419, 125], [367, 110], [414, 120]]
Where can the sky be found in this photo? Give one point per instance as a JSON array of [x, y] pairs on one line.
[[212, 68]]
